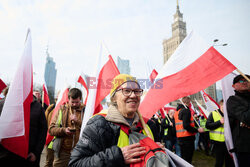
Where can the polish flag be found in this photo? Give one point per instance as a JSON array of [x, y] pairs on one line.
[[193, 66], [227, 91], [2, 85], [62, 99], [45, 95], [153, 75], [211, 104], [204, 112], [15, 117], [85, 89], [99, 88]]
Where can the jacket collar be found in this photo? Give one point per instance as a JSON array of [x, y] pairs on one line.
[[113, 115]]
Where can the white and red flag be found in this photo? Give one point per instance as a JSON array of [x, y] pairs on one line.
[[45, 95], [193, 66], [211, 104], [99, 87], [227, 91], [15, 117], [2, 85], [85, 91], [204, 112], [61, 100]]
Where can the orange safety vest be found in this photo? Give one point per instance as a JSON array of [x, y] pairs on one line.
[[180, 131]]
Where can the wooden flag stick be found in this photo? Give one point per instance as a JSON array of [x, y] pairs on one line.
[[42, 98], [241, 73], [144, 126], [191, 114], [167, 115]]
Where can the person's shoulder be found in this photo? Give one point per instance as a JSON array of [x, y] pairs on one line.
[[97, 120]]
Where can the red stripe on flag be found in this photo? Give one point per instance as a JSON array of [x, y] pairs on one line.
[[45, 96], [82, 82], [206, 70], [2, 85], [20, 145], [62, 101], [106, 75], [153, 75]]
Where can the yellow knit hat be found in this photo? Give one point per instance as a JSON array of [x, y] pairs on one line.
[[119, 80]]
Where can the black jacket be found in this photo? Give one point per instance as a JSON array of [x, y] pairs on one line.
[[171, 129], [210, 124], [97, 146], [238, 108], [185, 116], [38, 128]]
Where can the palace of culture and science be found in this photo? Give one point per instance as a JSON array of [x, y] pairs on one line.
[[179, 32]]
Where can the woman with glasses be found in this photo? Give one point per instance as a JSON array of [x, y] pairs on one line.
[[104, 141]]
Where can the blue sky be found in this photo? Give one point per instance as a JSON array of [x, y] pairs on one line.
[[131, 29]]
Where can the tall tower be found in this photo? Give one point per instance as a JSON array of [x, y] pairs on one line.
[[50, 75], [178, 34]]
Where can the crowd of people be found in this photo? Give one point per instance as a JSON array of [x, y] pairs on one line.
[[120, 136]]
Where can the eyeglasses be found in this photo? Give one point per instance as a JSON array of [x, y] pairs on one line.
[[127, 92], [242, 81]]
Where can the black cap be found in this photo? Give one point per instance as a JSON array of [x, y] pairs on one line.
[[239, 77]]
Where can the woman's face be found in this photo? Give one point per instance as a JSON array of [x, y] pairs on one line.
[[127, 104]]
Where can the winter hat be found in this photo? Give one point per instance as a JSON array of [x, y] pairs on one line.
[[119, 80]]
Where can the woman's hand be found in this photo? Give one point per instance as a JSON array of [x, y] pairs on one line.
[[132, 153]]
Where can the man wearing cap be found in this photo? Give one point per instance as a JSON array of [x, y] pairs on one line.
[[104, 141], [238, 107]]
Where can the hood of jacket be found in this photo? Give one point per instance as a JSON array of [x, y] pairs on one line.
[[114, 115]]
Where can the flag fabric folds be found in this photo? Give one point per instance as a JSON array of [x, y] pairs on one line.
[[204, 112], [193, 66], [2, 85], [107, 73], [106, 70], [15, 117], [85, 89], [210, 103], [45, 95], [62, 99], [153, 75]]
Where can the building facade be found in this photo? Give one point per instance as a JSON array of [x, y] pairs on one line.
[[179, 32], [123, 66]]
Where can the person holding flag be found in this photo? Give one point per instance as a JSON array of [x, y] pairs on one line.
[[185, 129], [238, 108], [169, 138], [215, 123], [105, 140]]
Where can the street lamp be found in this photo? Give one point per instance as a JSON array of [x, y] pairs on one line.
[[216, 40]]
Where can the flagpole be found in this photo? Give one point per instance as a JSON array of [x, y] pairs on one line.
[[191, 114], [167, 116], [241, 73], [43, 98], [144, 125]]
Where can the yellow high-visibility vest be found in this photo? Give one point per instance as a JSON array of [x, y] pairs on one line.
[[58, 122], [123, 139], [217, 134]]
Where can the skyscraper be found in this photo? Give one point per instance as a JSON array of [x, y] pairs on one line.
[[123, 66], [50, 75], [179, 32]]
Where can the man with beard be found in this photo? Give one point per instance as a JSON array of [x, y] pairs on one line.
[[65, 126]]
